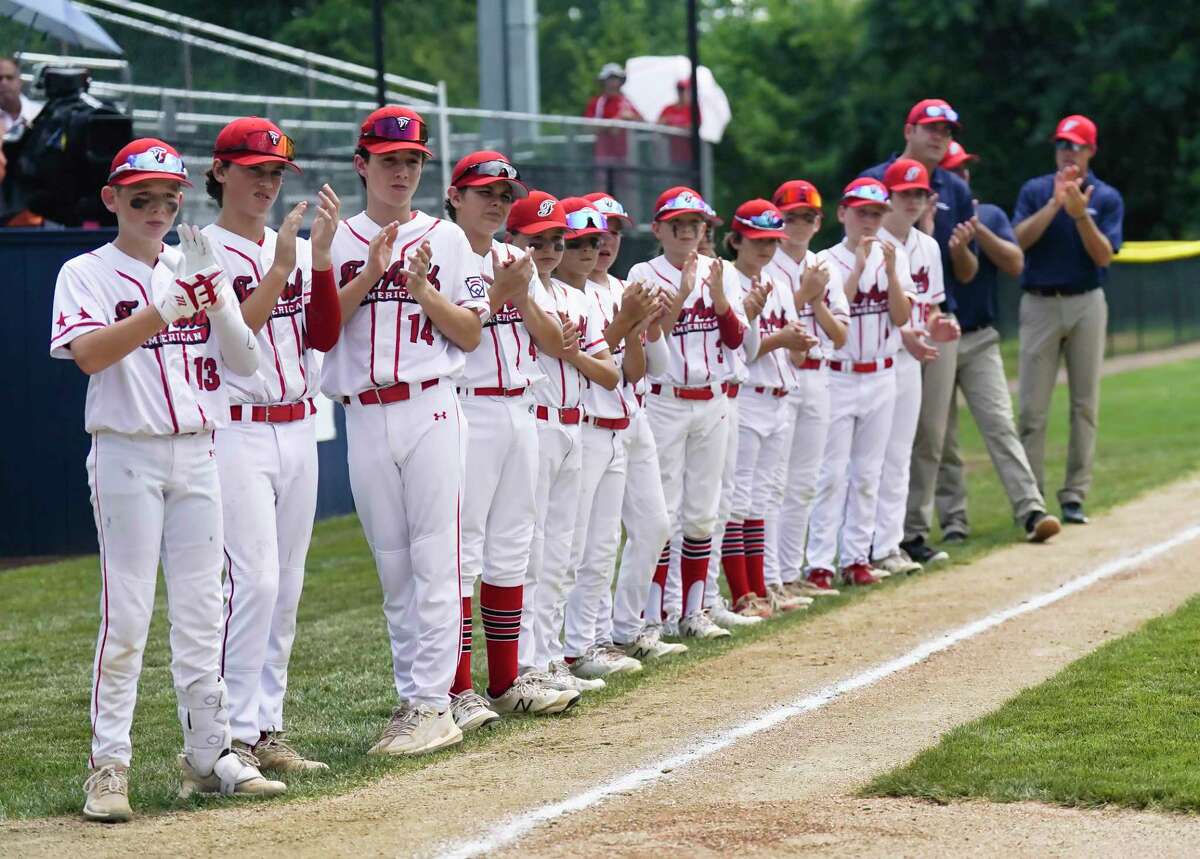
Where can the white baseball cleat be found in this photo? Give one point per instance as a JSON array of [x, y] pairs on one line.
[[529, 694], [560, 677], [107, 790], [802, 587], [599, 661], [670, 627], [649, 645], [616, 656], [470, 711], [726, 619], [274, 752], [700, 625], [416, 731], [897, 563], [235, 774], [781, 600]]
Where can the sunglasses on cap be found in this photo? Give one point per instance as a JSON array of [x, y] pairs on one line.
[[153, 160], [768, 220], [799, 195], [686, 200], [582, 219], [264, 142], [1069, 145], [499, 169], [398, 128], [939, 111], [591, 242], [609, 206], [873, 193]]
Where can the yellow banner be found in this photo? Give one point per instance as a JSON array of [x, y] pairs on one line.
[[1144, 252]]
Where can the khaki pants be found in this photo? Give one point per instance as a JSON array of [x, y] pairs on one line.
[[937, 396], [981, 378], [1071, 326]]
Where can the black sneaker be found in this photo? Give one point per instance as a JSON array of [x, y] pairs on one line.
[[922, 553], [954, 537], [1040, 526], [1072, 512]]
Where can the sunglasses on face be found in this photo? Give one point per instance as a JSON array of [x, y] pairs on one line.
[[398, 128], [768, 220], [1069, 146], [153, 160], [264, 143], [937, 111], [590, 242], [582, 219], [499, 169], [556, 244]]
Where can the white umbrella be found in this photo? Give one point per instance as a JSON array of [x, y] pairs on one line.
[[63, 20], [650, 85]]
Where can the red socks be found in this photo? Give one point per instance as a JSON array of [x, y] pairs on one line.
[[659, 586], [755, 537], [462, 677], [733, 561], [693, 570], [500, 610]]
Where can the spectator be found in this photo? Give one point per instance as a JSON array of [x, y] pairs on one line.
[[1069, 225], [16, 111], [679, 115], [612, 144]]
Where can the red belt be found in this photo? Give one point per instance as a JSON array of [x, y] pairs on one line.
[[687, 393], [607, 423], [731, 389], [565, 416], [860, 367], [280, 414], [811, 364], [774, 392], [492, 392], [393, 393]]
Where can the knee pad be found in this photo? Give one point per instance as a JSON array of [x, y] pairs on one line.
[[204, 714]]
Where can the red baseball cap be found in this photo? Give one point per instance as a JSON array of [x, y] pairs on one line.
[[956, 156], [865, 191], [583, 218], [758, 219], [905, 174], [536, 213], [392, 128], [608, 206], [796, 194], [930, 110], [681, 200], [147, 158], [1077, 129], [487, 167], [253, 140]]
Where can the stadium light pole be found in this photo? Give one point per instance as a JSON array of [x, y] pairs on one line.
[[377, 28], [693, 44]]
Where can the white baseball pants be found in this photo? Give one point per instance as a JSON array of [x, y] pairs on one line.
[[893, 480], [796, 481], [712, 585], [762, 433], [406, 472]]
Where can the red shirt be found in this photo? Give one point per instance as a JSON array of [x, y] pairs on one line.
[[611, 142], [679, 116]]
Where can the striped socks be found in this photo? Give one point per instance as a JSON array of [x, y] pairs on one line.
[[733, 560], [755, 537], [693, 569], [500, 610]]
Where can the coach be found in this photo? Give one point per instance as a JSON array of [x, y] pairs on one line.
[[928, 131], [1069, 225]]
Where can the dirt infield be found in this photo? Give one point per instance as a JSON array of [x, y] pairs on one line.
[[786, 791]]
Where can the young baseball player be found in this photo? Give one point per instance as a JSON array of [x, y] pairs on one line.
[[502, 446], [558, 409], [158, 333], [756, 231], [643, 507], [862, 387], [907, 182], [413, 300], [267, 455], [820, 302], [686, 405]]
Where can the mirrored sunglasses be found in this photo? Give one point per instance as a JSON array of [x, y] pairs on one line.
[[768, 220], [153, 160], [874, 193], [582, 219], [398, 128], [264, 142], [686, 200], [941, 112], [499, 169], [1069, 145], [799, 195], [609, 206]]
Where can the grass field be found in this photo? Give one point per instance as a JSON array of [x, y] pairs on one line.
[[340, 692], [1119, 726]]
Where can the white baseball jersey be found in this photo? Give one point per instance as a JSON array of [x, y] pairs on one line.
[[597, 400], [563, 385], [388, 339], [289, 370], [173, 383], [835, 296], [925, 267], [772, 370], [872, 335], [697, 356], [507, 355]]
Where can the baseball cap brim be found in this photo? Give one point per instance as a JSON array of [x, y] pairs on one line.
[[953, 162], [930, 120], [132, 177], [799, 205], [755, 233], [586, 231], [1073, 137], [538, 227], [249, 159], [908, 186], [379, 147], [675, 213], [859, 202], [520, 189]]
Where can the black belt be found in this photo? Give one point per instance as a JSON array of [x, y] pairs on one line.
[[1054, 292]]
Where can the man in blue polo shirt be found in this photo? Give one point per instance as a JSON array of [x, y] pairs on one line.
[[1069, 225], [980, 374], [928, 132]]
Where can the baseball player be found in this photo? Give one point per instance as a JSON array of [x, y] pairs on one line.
[[558, 409], [756, 231], [821, 305], [267, 455], [907, 182], [413, 300], [643, 507], [687, 408], [502, 446], [158, 333], [862, 387]]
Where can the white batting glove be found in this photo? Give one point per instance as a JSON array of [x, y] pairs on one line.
[[199, 272], [177, 302]]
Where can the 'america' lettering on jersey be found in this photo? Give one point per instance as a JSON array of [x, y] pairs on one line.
[[563, 385], [388, 339], [598, 401], [782, 265], [872, 335], [772, 370], [925, 267]]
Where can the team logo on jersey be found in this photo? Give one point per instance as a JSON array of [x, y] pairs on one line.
[[697, 318], [868, 301], [189, 331], [291, 298], [545, 208], [911, 173], [921, 279], [475, 287]]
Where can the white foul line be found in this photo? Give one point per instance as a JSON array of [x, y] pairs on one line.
[[509, 830]]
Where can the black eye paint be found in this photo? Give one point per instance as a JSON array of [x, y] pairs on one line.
[[171, 205]]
